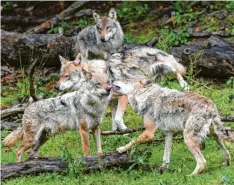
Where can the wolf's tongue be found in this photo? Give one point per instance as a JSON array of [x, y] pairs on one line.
[[115, 88]]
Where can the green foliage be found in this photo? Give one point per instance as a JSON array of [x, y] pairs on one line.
[[132, 11], [229, 5], [62, 26], [230, 83], [168, 38], [8, 5]]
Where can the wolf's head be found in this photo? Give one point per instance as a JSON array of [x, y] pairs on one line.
[[70, 73], [99, 84], [107, 27], [127, 87]]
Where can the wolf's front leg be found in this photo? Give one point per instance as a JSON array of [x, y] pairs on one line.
[[84, 134], [122, 105], [113, 108], [167, 149], [146, 136], [97, 137]]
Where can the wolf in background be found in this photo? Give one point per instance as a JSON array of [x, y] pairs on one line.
[[102, 39], [133, 63], [81, 110], [171, 110]]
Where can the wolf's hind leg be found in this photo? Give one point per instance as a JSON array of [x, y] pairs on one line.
[[224, 150], [122, 105], [146, 136], [27, 142], [167, 149], [194, 148], [38, 143]]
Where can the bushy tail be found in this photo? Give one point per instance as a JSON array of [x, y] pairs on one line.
[[13, 137], [167, 64]]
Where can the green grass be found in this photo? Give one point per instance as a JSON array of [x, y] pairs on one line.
[[182, 161]]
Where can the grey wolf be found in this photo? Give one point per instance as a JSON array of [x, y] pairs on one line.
[[139, 62], [171, 110], [102, 39], [81, 110]]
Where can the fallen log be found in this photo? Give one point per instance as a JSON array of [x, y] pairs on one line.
[[18, 47], [55, 20], [213, 60], [208, 34], [9, 126], [35, 166], [13, 111], [18, 20], [122, 132]]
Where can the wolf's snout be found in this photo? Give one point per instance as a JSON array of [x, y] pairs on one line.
[[103, 39], [108, 88]]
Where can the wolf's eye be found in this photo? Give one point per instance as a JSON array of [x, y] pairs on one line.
[[99, 29], [108, 28]]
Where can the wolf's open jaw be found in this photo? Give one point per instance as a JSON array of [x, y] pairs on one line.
[[115, 87]]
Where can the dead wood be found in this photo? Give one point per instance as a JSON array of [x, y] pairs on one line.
[[216, 59], [20, 48], [122, 132], [6, 113], [35, 166], [54, 21], [18, 20], [208, 34], [9, 126]]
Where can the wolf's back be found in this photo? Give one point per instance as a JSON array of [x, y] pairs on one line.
[[13, 137]]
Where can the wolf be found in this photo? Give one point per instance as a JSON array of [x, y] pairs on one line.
[[136, 62], [171, 110], [103, 39], [81, 110]]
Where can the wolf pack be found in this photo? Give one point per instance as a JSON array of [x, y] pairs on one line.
[[119, 75]]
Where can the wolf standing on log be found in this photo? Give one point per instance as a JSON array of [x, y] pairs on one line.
[[102, 39], [81, 110]]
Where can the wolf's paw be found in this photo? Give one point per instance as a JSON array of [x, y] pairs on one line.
[[121, 149], [99, 154]]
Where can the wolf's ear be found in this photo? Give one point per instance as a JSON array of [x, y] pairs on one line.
[[78, 60], [112, 14], [96, 17], [87, 74], [62, 60]]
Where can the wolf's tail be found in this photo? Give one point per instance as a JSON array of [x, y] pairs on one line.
[[13, 137], [166, 64]]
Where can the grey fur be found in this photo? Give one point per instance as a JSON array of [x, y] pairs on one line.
[[50, 116], [89, 39], [171, 110], [145, 62]]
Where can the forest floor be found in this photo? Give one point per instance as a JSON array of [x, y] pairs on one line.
[[138, 28]]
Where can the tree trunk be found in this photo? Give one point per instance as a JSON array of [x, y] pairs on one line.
[[24, 48], [214, 60], [35, 166]]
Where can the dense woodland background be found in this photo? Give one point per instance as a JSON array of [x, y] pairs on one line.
[[199, 34]]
